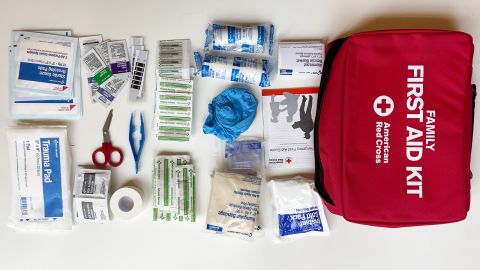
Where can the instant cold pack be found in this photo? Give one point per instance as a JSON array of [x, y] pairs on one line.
[[231, 113]]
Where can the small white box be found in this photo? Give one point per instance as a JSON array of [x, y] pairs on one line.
[[300, 58]]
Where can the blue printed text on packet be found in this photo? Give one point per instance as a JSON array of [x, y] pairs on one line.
[[214, 228], [299, 223], [51, 177], [42, 73]]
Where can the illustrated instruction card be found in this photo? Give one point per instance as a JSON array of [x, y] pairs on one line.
[[288, 118]]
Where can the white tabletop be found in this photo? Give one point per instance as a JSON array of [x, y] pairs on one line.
[[143, 244]]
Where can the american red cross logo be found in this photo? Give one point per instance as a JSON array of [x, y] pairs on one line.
[[288, 160], [383, 106]]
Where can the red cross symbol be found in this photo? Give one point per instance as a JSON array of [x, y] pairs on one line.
[[383, 105], [289, 160]]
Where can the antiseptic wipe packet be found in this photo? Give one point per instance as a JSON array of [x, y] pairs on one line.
[[40, 176]]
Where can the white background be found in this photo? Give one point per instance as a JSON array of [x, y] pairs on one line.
[[142, 244]]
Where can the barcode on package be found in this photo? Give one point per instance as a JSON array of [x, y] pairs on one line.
[[117, 50], [24, 206], [92, 61]]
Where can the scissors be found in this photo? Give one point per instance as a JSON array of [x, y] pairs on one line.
[[107, 149]]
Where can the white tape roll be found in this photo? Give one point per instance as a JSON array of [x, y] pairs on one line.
[[126, 203]]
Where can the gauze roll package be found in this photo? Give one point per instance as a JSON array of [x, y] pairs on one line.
[[240, 69], [234, 204], [40, 173], [253, 39], [297, 209]]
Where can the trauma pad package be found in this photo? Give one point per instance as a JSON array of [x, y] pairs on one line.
[[40, 176]]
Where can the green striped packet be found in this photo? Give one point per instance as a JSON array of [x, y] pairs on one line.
[[175, 99], [175, 129], [172, 138], [174, 111], [161, 122], [186, 194], [165, 188], [174, 85]]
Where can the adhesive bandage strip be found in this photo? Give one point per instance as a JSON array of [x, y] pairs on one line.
[[165, 186]]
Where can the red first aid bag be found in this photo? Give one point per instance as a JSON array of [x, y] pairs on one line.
[[394, 125]]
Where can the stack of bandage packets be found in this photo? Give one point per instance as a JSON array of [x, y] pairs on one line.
[[108, 65], [174, 91], [173, 188]]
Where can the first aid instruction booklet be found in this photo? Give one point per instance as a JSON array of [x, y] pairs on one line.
[[39, 163], [288, 119]]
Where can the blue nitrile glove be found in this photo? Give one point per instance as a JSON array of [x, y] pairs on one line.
[[231, 113]]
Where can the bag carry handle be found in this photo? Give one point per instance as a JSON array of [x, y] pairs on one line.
[[333, 49]]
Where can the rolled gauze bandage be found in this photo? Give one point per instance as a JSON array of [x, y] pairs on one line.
[[126, 203], [239, 69], [231, 113]]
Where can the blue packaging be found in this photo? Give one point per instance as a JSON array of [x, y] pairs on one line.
[[251, 39], [239, 69]]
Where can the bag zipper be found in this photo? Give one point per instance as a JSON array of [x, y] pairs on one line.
[[319, 177], [474, 96]]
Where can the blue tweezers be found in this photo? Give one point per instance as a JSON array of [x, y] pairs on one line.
[[136, 154]]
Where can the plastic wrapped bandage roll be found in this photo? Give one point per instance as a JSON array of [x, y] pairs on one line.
[[257, 39], [241, 69]]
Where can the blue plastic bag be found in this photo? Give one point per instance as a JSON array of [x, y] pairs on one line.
[[231, 113]]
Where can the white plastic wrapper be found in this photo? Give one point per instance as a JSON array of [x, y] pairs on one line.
[[253, 39], [243, 155], [297, 209], [241, 69], [40, 176], [234, 205]]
